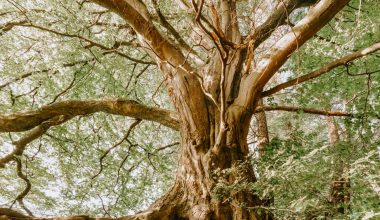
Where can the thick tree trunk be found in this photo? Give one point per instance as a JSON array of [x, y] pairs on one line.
[[199, 176], [215, 111]]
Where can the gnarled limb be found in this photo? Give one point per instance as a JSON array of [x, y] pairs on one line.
[[336, 63], [23, 121]]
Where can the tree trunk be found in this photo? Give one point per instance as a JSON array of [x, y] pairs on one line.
[[262, 129], [340, 184], [215, 105], [199, 176]]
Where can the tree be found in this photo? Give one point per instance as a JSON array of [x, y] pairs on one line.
[[216, 76]]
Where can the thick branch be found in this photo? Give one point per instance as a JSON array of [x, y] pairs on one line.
[[184, 87], [277, 18], [144, 26], [6, 214], [339, 62], [27, 120], [151, 213], [172, 30], [32, 135], [317, 17], [306, 110], [229, 21]]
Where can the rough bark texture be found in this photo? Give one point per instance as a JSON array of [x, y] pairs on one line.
[[262, 129], [214, 105]]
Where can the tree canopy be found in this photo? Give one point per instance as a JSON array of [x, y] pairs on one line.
[[104, 105]]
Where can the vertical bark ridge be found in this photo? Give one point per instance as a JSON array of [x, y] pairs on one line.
[[262, 129]]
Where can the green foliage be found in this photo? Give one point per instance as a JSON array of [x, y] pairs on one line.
[[299, 162]]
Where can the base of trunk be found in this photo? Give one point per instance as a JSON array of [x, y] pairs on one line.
[[178, 204]]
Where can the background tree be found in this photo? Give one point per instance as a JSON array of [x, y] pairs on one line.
[[72, 70]]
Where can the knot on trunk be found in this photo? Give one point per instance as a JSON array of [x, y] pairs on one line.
[[200, 212]]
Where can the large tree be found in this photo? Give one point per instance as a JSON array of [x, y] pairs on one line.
[[216, 60]]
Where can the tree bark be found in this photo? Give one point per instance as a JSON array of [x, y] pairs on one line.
[[262, 129], [340, 184], [192, 196]]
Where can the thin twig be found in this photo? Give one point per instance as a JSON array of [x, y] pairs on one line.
[[134, 124]]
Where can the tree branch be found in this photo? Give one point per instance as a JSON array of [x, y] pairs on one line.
[[51, 115], [35, 133], [90, 42], [306, 110], [339, 62], [23, 121], [28, 74], [277, 18], [182, 82], [139, 19], [306, 28], [21, 196], [10, 214], [133, 125], [8, 26], [182, 43]]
